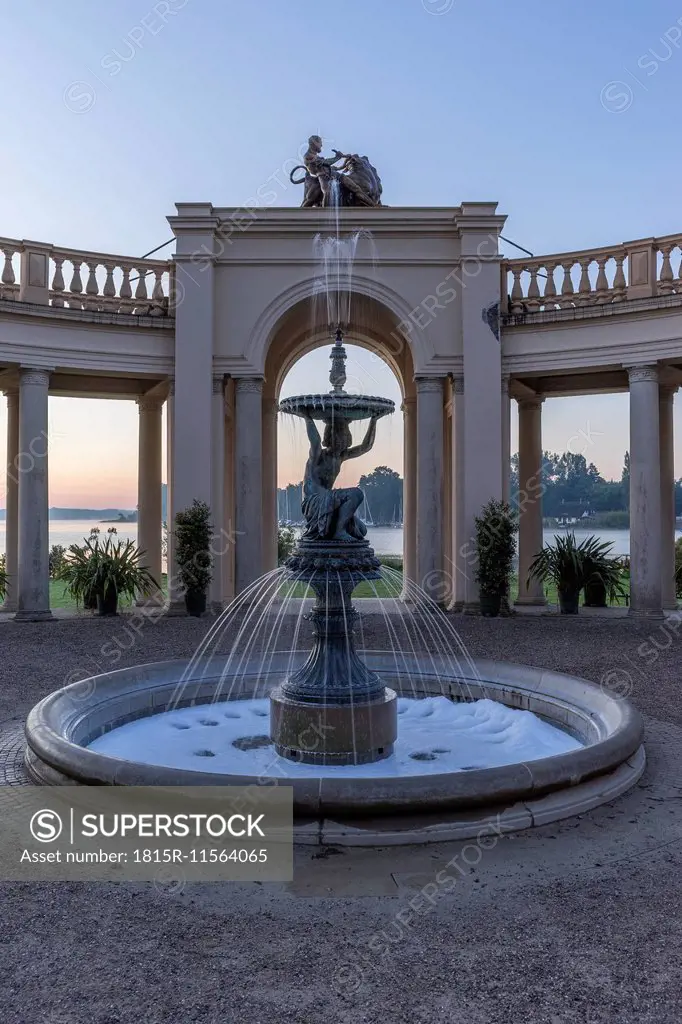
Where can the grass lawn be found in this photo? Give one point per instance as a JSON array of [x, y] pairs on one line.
[[379, 588]]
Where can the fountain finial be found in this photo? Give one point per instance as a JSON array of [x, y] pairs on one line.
[[337, 374]]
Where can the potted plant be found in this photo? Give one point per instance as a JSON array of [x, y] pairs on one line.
[[106, 572], [193, 533], [572, 567], [496, 547]]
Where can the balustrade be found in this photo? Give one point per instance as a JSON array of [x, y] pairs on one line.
[[648, 268], [94, 282]]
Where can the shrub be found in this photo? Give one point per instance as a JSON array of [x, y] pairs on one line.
[[57, 558], [495, 546], [286, 542], [193, 533], [97, 572], [572, 566]]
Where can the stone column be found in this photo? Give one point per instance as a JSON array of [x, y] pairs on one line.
[[409, 492], [149, 513], [248, 481], [645, 493], [430, 569], [221, 540], [530, 497], [12, 500], [33, 577], [171, 563], [459, 538], [228, 493], [270, 517], [506, 440], [667, 443]]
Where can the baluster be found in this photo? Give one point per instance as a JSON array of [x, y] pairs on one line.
[[550, 286], [666, 278], [158, 295], [678, 279], [602, 281], [8, 280], [92, 287], [620, 285], [517, 291], [567, 289], [141, 297], [76, 286], [585, 286], [533, 289], [109, 289], [126, 292], [58, 282]]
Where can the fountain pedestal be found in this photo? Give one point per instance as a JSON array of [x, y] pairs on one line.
[[333, 710]]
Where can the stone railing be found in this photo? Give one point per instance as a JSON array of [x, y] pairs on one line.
[[73, 279], [646, 268]]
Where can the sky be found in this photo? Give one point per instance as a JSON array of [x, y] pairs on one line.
[[565, 114]]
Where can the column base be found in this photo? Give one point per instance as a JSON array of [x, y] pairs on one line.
[[645, 613], [176, 608], [150, 601], [33, 616]]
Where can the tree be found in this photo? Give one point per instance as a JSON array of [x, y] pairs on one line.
[[383, 491]]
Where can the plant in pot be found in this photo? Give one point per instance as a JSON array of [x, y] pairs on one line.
[[193, 532], [107, 571], [572, 566], [496, 547]]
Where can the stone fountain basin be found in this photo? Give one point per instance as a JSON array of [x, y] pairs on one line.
[[363, 810], [349, 407]]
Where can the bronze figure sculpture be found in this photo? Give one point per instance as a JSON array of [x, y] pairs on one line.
[[355, 183]]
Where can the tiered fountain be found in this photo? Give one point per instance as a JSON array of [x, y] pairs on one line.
[[354, 713]]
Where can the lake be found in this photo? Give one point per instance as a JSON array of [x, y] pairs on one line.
[[384, 539]]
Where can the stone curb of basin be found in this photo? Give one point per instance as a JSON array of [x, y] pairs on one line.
[[363, 811]]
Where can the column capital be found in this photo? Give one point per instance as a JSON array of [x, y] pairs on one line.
[[530, 401], [458, 383], [218, 381], [433, 385], [34, 375], [11, 392], [408, 404], [643, 372], [504, 381], [171, 387], [148, 403], [249, 384], [667, 391]]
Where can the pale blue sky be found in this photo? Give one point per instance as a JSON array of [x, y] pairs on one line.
[[113, 112]]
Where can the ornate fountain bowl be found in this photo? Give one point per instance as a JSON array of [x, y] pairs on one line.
[[339, 405]]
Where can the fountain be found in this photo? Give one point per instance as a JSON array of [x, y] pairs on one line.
[[355, 714], [413, 742]]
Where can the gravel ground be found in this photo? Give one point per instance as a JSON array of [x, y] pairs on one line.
[[579, 922]]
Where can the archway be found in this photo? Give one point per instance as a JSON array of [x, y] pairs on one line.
[[373, 327]]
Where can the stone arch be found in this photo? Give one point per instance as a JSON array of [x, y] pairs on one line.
[[287, 331]]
